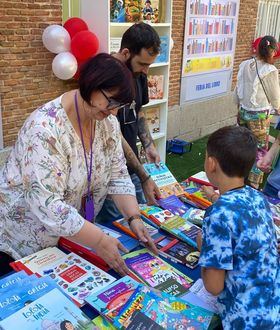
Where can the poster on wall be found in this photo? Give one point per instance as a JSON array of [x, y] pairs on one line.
[[209, 45]]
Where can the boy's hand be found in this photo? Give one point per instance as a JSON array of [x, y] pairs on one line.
[[208, 191], [199, 241]]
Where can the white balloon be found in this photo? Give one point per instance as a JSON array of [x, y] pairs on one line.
[[56, 39], [64, 65]]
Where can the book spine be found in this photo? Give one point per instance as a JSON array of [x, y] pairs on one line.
[[124, 229]]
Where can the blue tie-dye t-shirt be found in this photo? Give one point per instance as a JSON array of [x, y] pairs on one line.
[[239, 237]]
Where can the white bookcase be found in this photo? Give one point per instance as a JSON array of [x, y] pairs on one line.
[[97, 15]]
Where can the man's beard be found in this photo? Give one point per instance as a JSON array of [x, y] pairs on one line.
[[128, 64]]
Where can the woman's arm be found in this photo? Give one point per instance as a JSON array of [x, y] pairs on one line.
[[272, 88]]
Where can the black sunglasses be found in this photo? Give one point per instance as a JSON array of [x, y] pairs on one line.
[[112, 104]]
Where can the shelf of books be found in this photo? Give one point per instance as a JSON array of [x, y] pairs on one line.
[[109, 20]]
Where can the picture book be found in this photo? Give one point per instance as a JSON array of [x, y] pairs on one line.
[[115, 45], [195, 216], [157, 273], [153, 119], [163, 310], [152, 11], [127, 241], [117, 11], [183, 229], [51, 311], [83, 251], [164, 179], [156, 214], [34, 263], [133, 10], [24, 292], [124, 226], [163, 56], [174, 205], [155, 86], [110, 300], [102, 323], [11, 280], [77, 277], [178, 251]]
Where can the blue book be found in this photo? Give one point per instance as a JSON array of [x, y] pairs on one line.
[[12, 279], [51, 311], [164, 50], [23, 293]]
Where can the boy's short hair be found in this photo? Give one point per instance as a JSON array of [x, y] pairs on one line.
[[141, 35], [235, 149]]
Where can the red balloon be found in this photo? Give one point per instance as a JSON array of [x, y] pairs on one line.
[[84, 45], [74, 25]]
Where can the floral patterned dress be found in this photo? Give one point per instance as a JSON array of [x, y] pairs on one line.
[[45, 176]]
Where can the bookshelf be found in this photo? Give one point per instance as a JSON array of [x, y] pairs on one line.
[[97, 15]]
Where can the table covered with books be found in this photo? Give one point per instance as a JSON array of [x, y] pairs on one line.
[[68, 286]]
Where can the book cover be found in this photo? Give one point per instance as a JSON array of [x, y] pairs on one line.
[[133, 10], [183, 229], [152, 11], [178, 251], [102, 323], [115, 45], [124, 226], [174, 205], [77, 277], [24, 292], [8, 282], [153, 120], [164, 179], [83, 251], [155, 272], [155, 86], [156, 214], [51, 311], [34, 263], [117, 11], [110, 300], [163, 56]]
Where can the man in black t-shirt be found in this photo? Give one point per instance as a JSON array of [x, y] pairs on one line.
[[140, 46]]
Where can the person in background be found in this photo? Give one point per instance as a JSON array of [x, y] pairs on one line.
[[257, 93], [140, 46], [238, 258], [67, 158]]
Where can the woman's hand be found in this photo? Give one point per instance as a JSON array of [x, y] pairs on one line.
[[137, 226], [108, 249]]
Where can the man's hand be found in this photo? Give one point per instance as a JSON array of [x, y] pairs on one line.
[[151, 192], [152, 154], [142, 234]]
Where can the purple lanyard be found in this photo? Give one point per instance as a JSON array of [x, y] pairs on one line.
[[89, 205]]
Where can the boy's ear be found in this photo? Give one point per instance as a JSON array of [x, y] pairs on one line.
[[212, 164]]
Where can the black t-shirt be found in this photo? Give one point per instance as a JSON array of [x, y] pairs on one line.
[[128, 116]]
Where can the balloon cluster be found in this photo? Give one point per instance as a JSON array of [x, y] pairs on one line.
[[73, 43]]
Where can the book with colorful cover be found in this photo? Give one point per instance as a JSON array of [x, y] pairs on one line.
[[174, 205], [156, 273], [77, 277], [183, 229], [152, 116], [102, 323], [177, 251], [117, 11], [152, 11], [163, 310], [155, 87], [36, 262], [124, 226], [51, 311], [195, 216], [133, 10], [163, 56], [11, 280], [164, 179], [111, 299], [156, 214]]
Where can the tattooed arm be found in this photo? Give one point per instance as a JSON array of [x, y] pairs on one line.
[[146, 139], [149, 187]]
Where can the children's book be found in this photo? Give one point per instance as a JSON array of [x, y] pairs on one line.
[[22, 293], [133, 10], [115, 45], [83, 251], [124, 226], [195, 216], [156, 214], [111, 299], [77, 277], [163, 56], [153, 119], [174, 205], [51, 311], [164, 179], [183, 229], [34, 263], [177, 251], [152, 11], [161, 311], [156, 273], [117, 11], [155, 87], [11, 280], [102, 323]]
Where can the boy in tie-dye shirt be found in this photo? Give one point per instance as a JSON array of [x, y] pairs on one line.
[[238, 254]]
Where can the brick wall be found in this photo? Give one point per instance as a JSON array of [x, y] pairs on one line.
[[245, 35], [26, 79]]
